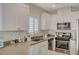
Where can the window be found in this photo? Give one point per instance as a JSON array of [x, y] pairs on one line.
[[36, 25], [33, 25]]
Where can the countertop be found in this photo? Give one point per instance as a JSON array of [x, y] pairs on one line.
[[36, 42]]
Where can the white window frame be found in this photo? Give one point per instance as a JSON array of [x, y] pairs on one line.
[[34, 24]]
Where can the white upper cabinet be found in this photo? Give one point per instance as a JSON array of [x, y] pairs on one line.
[[45, 21]]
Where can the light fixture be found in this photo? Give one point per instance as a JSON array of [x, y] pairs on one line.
[[53, 5]]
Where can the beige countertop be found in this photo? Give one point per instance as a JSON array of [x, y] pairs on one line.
[[36, 42]]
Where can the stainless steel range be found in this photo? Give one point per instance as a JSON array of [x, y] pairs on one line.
[[62, 42]]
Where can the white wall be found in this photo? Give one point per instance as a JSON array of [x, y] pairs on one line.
[[75, 17], [37, 12], [15, 16], [1, 17], [65, 15]]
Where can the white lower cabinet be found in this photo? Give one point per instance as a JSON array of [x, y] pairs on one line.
[[33, 50], [1, 40], [1, 43], [43, 47], [44, 50], [72, 47], [38, 49]]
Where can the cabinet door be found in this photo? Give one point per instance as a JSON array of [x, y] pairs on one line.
[[45, 21], [44, 48], [34, 50], [1, 43], [38, 49], [72, 47]]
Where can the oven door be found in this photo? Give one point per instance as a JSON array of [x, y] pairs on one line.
[[62, 44]]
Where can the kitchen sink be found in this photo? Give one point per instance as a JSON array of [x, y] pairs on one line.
[[37, 38]]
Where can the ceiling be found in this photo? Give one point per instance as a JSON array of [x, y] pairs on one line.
[[48, 6]]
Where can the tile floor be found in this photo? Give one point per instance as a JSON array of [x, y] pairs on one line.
[[21, 49]]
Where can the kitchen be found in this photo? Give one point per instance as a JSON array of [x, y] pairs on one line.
[[20, 19]]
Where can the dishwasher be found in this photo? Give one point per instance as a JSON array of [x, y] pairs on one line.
[[50, 44]]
